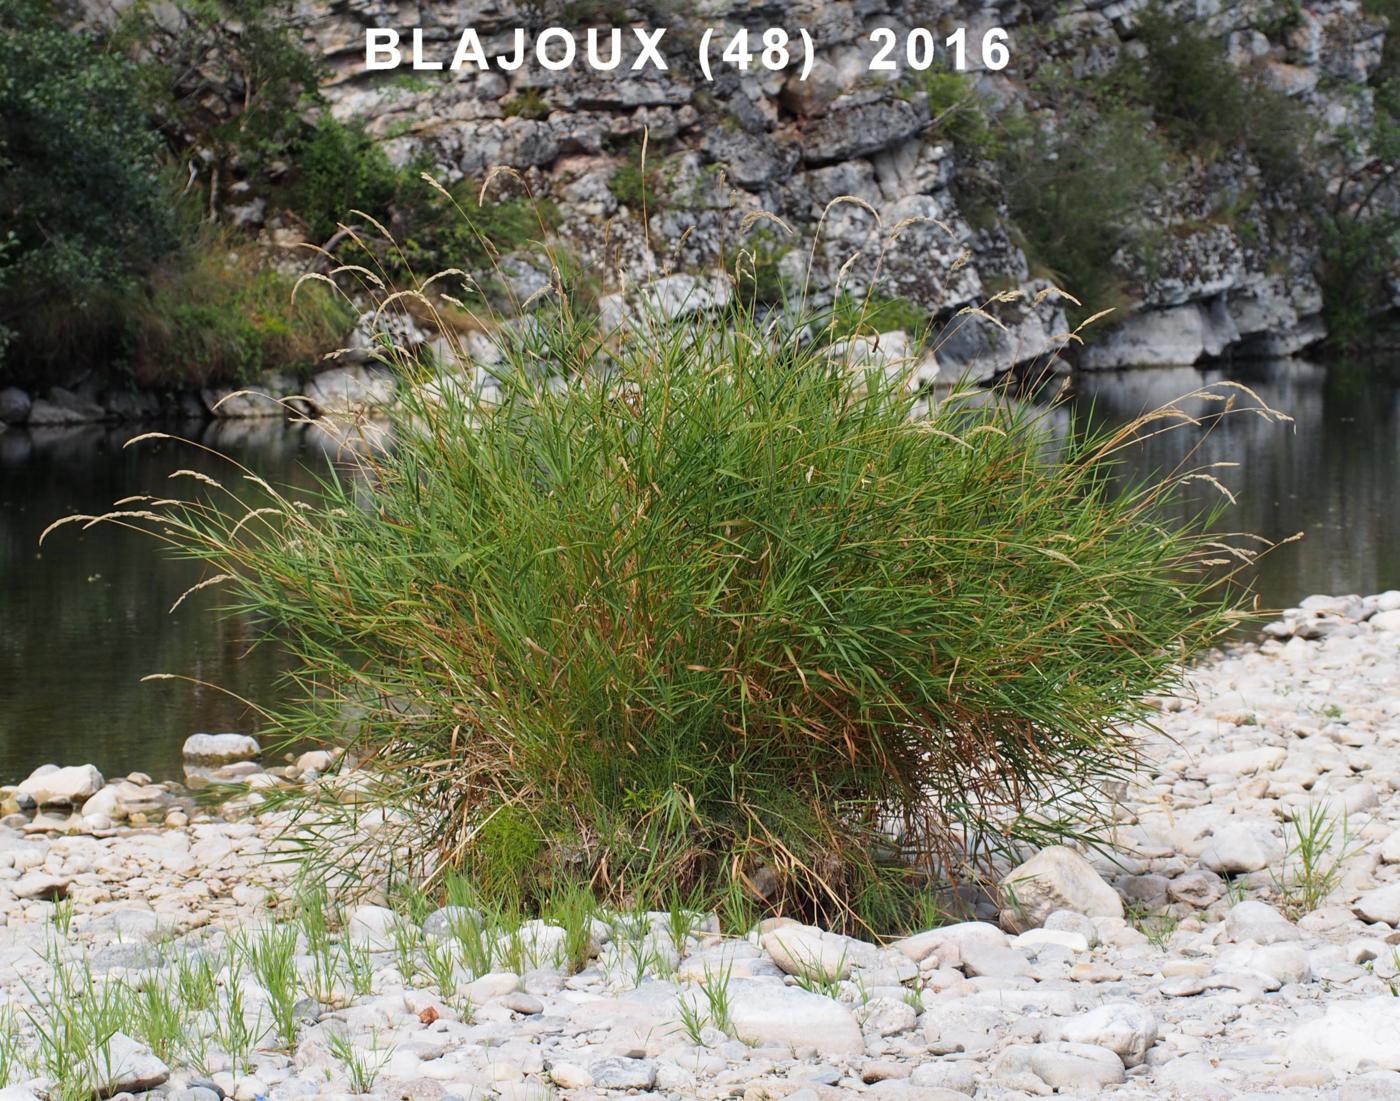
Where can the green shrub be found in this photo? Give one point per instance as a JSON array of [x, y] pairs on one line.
[[1286, 15], [637, 180], [1187, 81], [1209, 105], [463, 226], [757, 275], [528, 104], [721, 621], [102, 263], [874, 313], [1359, 256], [232, 82], [958, 112], [1080, 192], [1360, 220], [340, 168], [1082, 178]]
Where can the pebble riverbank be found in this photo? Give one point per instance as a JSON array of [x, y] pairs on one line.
[[1244, 942]]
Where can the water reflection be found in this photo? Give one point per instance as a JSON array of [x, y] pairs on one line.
[[83, 619], [1333, 474]]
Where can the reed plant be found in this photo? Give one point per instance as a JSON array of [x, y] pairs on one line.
[[358, 968], [197, 981], [574, 909], [440, 966], [158, 1018], [232, 1032], [704, 610], [1319, 843]]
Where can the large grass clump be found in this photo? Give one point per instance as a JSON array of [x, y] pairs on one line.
[[716, 614]]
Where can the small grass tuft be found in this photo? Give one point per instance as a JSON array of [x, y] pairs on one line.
[[271, 956], [715, 1011], [74, 1019], [1157, 926], [232, 1032], [1318, 844], [62, 916], [358, 967], [362, 1065], [158, 1019], [574, 909], [12, 1061]]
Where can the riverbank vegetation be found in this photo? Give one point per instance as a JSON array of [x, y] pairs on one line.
[[708, 611], [1088, 173], [124, 174], [1363, 224], [214, 313], [241, 994], [124, 145]]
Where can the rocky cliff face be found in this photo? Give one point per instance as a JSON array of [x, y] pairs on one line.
[[1232, 271]]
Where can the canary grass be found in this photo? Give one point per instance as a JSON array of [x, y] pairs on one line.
[[358, 967], [703, 609], [440, 965], [232, 1032], [574, 910], [715, 988], [693, 1022], [1319, 844]]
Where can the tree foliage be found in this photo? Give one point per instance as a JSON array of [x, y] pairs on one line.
[[81, 194]]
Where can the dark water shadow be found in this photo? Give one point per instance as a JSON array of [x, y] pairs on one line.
[[86, 616]]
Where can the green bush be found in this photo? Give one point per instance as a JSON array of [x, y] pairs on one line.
[[1080, 192], [528, 104], [232, 82], [723, 620], [1360, 220], [461, 226], [636, 182], [1209, 105], [874, 313], [1082, 177], [1187, 81], [102, 263], [958, 112], [340, 168], [1359, 256], [756, 268]]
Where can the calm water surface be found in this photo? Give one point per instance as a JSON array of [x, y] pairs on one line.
[[1332, 475], [83, 619], [86, 616]]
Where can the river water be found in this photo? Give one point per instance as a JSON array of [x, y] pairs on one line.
[[84, 618]]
